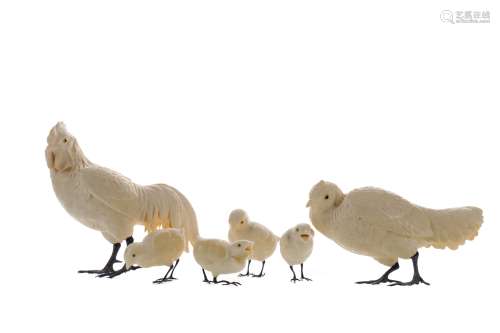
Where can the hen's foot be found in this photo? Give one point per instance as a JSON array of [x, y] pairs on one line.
[[378, 281], [243, 275], [384, 278], [294, 279], [304, 278]]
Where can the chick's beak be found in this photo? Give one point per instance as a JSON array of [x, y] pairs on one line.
[[308, 203], [248, 249], [304, 236]]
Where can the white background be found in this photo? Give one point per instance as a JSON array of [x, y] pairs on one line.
[[248, 104]]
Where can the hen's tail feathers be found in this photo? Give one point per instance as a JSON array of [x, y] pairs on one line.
[[165, 207], [452, 227]]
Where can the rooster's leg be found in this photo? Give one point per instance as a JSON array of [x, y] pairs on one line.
[[111, 274], [225, 282], [108, 268], [261, 274], [248, 269], [384, 278], [416, 275]]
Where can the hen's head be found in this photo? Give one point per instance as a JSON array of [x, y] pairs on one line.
[[238, 219], [325, 195], [63, 153]]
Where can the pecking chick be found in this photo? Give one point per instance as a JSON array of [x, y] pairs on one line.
[[159, 248], [240, 227], [296, 246], [221, 257]]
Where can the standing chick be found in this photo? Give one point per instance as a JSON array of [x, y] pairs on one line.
[[264, 240], [221, 257], [296, 246], [380, 224], [159, 248]]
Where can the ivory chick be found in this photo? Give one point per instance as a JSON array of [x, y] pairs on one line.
[[159, 248], [240, 227], [380, 224], [296, 246], [106, 201], [221, 257]]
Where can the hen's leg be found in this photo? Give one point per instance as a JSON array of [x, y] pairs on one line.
[[108, 268], [261, 274], [225, 282], [122, 270], [248, 269], [294, 279], [302, 277], [416, 275], [384, 278]]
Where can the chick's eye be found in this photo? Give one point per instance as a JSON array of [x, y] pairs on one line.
[[133, 255], [241, 222], [239, 245], [297, 230], [326, 197], [65, 140]]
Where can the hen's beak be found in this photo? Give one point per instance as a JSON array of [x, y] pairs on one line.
[[248, 249], [308, 203], [304, 236]]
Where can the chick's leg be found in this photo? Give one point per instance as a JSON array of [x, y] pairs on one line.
[[416, 275], [205, 279], [171, 277], [384, 278], [294, 279], [108, 268], [261, 274], [248, 269], [225, 282], [165, 278], [122, 270], [302, 277]]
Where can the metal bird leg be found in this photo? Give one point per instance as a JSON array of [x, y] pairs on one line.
[[225, 282], [261, 274], [108, 268], [294, 279], [384, 278], [302, 277], [205, 279], [112, 273], [248, 269], [416, 275]]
